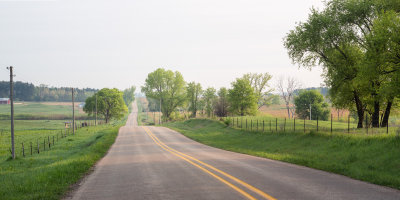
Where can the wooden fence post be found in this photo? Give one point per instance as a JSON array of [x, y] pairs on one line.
[[276, 124], [270, 126], [38, 149], [284, 125], [48, 140], [387, 127], [331, 122], [348, 124], [263, 125], [366, 122]]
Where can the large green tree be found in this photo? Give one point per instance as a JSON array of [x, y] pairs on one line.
[[311, 101], [259, 82], [221, 105], [209, 98], [242, 98], [168, 87], [341, 39], [194, 93], [110, 104]]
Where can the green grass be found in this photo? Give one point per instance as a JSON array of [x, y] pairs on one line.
[[274, 124], [40, 110], [49, 174], [372, 158], [27, 131]]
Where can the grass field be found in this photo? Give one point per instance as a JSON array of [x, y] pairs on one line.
[[42, 110], [372, 158], [49, 174], [275, 124]]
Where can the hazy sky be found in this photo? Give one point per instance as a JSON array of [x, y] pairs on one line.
[[116, 43]]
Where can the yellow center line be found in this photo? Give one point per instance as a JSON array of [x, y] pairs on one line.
[[250, 187], [247, 195]]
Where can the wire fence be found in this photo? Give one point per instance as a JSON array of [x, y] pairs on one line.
[[281, 125], [30, 142]]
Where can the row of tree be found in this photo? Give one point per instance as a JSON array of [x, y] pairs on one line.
[[168, 90], [358, 44], [29, 92]]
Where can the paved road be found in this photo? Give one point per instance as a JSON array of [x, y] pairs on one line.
[[158, 163]]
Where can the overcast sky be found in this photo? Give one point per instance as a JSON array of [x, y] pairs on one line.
[[116, 43]]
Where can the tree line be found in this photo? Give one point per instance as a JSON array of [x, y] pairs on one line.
[[357, 42], [168, 90], [29, 92]]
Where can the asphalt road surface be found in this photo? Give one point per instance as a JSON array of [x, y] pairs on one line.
[[158, 163]]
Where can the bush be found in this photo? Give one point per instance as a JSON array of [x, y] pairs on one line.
[[227, 122]]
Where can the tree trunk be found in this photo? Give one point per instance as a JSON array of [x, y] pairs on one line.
[[375, 115], [288, 110], [385, 120], [360, 110]]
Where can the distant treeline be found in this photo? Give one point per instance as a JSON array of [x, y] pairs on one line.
[[323, 90], [29, 92]]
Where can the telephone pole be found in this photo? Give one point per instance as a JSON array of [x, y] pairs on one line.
[[160, 113], [95, 121], [73, 112], [12, 111]]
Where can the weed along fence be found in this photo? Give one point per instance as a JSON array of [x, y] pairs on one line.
[[30, 142], [270, 124]]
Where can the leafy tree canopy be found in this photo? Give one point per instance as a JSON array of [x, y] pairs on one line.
[[168, 87], [319, 108], [110, 104]]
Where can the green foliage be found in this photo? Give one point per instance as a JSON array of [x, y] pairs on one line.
[[50, 174], [166, 86], [319, 108], [129, 95], [355, 41], [242, 99], [259, 82], [209, 99], [28, 92], [221, 105], [110, 104], [194, 93]]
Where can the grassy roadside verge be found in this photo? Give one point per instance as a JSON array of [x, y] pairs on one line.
[[49, 174], [374, 159]]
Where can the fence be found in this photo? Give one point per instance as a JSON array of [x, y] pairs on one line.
[[269, 124], [30, 142]]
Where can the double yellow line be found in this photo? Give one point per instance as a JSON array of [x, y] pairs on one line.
[[193, 161]]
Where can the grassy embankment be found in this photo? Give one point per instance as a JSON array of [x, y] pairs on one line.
[[49, 174], [372, 158]]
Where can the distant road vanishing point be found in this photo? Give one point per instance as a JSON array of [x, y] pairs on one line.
[[158, 163]]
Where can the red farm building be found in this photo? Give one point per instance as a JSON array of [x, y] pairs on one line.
[[4, 101]]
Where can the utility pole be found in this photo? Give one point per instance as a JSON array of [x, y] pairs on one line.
[[12, 111], [95, 121], [73, 112], [159, 122]]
